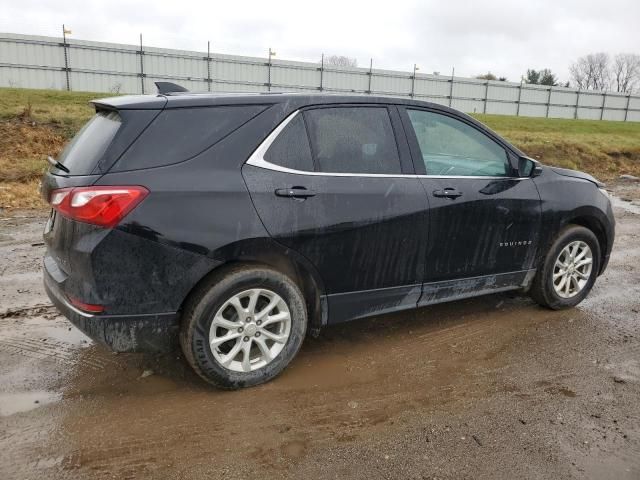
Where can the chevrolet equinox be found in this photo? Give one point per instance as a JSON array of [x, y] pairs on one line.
[[238, 223]]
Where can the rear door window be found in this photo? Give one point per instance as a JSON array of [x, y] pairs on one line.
[[353, 140], [82, 154], [291, 149]]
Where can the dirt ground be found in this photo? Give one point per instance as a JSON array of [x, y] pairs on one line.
[[493, 387]]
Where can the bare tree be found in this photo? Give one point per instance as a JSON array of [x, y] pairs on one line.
[[626, 72], [591, 72], [115, 88], [340, 61]]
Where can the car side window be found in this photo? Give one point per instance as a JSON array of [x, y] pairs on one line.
[[353, 140], [291, 148], [452, 147]]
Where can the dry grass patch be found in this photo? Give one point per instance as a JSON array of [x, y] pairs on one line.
[[24, 148], [21, 195], [33, 125]]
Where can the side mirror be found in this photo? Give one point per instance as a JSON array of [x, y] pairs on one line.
[[528, 167]]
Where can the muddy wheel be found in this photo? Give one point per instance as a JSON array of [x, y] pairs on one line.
[[244, 327], [569, 270]]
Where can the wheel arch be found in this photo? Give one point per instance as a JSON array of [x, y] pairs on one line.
[[590, 219], [268, 253]]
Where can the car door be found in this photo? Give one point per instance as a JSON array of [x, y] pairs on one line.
[[484, 219], [336, 185]]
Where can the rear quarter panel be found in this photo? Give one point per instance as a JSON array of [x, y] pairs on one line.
[[197, 215]]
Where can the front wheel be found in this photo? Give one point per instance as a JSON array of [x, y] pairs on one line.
[[244, 327], [569, 270]]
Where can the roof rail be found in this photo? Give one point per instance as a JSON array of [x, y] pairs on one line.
[[168, 87]]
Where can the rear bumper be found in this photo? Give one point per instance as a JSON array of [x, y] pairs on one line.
[[154, 333]]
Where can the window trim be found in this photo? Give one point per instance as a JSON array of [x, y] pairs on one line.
[[257, 160], [257, 157], [416, 154]]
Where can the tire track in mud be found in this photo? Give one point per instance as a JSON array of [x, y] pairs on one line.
[[47, 311], [344, 418], [64, 353], [37, 342]]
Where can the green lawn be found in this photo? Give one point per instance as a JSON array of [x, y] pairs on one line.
[[37, 123], [604, 149]]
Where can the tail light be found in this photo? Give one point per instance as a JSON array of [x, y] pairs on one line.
[[103, 206]]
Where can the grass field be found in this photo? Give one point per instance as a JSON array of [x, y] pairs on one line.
[[37, 123]]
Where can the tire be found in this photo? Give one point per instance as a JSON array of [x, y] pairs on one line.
[[543, 290], [240, 285]]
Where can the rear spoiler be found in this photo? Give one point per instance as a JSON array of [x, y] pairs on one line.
[[139, 102], [131, 102]]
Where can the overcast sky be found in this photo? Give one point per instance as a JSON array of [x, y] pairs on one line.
[[505, 37]]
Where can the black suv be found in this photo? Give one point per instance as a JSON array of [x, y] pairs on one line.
[[241, 222]]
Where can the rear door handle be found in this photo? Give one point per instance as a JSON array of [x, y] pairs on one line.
[[295, 192], [448, 193]]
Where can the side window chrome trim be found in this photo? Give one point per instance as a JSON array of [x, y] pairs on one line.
[[257, 160]]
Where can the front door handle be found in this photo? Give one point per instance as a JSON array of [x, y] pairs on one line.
[[295, 192], [448, 193]]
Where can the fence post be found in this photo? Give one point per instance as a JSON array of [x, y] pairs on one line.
[[519, 98], [321, 72], [575, 114], [453, 72], [141, 52], [486, 97], [413, 79], [208, 65], [370, 75], [604, 100], [548, 102], [66, 56], [626, 110], [271, 53]]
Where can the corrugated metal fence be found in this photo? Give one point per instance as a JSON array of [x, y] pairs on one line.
[[45, 62]]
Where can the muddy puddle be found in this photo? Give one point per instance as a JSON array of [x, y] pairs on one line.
[[493, 387]]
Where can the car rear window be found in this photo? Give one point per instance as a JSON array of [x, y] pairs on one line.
[[179, 134], [82, 154]]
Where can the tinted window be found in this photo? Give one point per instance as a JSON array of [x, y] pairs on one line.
[[182, 133], [353, 140], [82, 154], [451, 147], [291, 148]]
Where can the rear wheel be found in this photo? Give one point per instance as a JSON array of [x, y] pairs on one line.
[[243, 328], [569, 270]]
